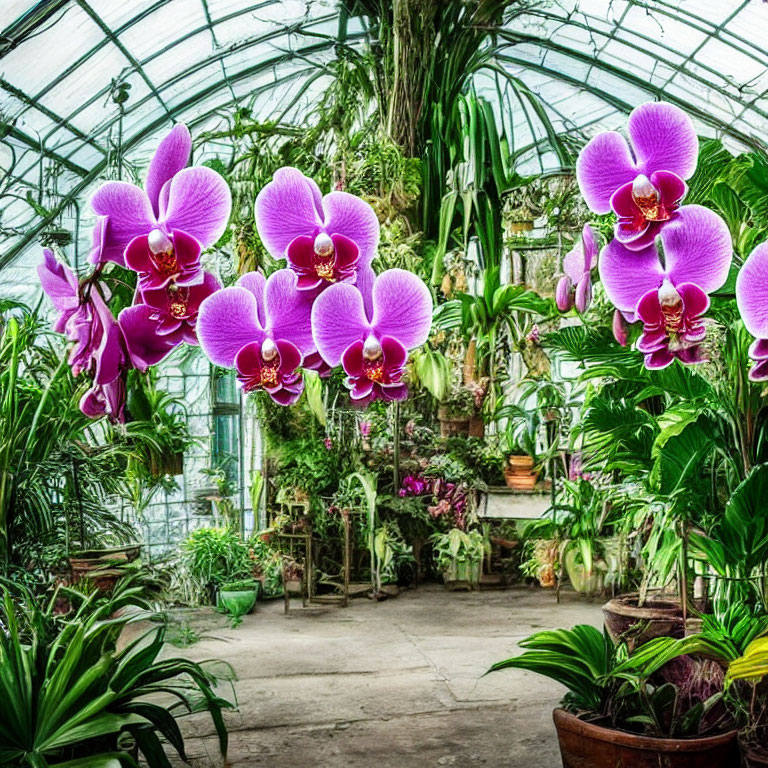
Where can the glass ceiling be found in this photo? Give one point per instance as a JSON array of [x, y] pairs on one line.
[[581, 65]]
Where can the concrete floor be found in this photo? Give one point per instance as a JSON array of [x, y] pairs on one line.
[[396, 684]]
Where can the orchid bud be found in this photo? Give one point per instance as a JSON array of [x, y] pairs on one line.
[[268, 350], [564, 293], [620, 328], [323, 245], [583, 294], [159, 242]]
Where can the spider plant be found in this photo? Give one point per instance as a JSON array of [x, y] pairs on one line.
[[69, 698]]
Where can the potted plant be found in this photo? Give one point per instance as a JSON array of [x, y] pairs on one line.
[[165, 417], [745, 680], [213, 557], [622, 709], [238, 598], [459, 555], [520, 437], [455, 412]]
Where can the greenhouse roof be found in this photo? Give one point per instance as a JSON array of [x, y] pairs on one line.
[[586, 62]]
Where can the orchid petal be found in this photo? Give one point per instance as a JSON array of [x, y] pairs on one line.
[[628, 275], [255, 283], [145, 346], [573, 264], [130, 214], [758, 350], [352, 217], [290, 357], [589, 247], [602, 167], [366, 277], [402, 307], [226, 322], [285, 208], [752, 292], [58, 281], [171, 155], [664, 139], [199, 203], [697, 248], [338, 320], [288, 310]]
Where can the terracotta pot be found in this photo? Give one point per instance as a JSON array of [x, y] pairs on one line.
[[103, 567], [659, 617], [585, 745], [519, 474]]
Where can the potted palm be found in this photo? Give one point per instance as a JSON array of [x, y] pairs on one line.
[[635, 709]]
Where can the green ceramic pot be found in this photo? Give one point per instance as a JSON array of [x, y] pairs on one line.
[[237, 602]]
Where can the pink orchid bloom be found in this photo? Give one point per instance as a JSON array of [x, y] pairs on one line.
[[194, 200], [752, 300], [672, 297], [369, 330], [99, 347], [642, 180], [575, 286], [163, 318], [325, 239], [261, 328]]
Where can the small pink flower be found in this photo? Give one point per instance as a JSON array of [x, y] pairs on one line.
[[328, 443]]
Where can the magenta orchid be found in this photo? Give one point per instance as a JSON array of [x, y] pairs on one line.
[[162, 319], [161, 260], [752, 300], [99, 347], [670, 298], [324, 239], [575, 286], [641, 181], [260, 327], [370, 329], [194, 200]]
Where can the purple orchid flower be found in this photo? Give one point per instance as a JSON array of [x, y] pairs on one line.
[[99, 347], [369, 330], [752, 300], [575, 286], [670, 298], [161, 260], [261, 328], [641, 181], [194, 200], [324, 239], [163, 318]]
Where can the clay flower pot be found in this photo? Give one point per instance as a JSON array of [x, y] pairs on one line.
[[519, 474], [658, 617], [585, 745]]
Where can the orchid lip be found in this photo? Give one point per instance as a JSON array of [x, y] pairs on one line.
[[648, 199]]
